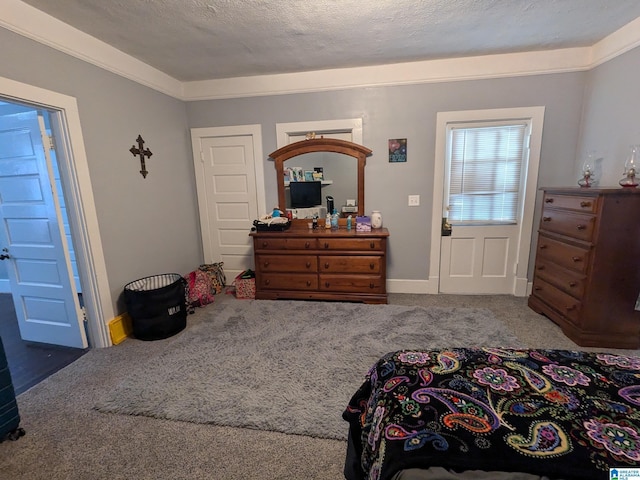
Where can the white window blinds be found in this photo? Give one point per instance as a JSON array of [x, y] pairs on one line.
[[485, 173]]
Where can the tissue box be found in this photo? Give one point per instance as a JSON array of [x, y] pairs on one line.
[[363, 224]]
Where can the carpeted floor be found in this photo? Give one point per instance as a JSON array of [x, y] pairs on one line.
[[264, 364], [67, 439]]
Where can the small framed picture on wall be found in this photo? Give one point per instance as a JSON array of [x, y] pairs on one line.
[[308, 175], [397, 150]]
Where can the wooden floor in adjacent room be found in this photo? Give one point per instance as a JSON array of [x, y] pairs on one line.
[[29, 362]]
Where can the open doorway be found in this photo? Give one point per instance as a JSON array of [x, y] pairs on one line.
[[32, 209], [35, 237], [74, 171]]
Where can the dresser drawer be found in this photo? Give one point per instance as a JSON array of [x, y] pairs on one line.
[[285, 243], [576, 225], [563, 254], [287, 263], [359, 244], [352, 283], [347, 264], [572, 283], [560, 301], [578, 203], [287, 281]]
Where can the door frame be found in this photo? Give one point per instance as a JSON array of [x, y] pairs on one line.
[[255, 132], [352, 126], [83, 219], [536, 114]]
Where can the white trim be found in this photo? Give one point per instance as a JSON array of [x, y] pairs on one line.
[[622, 40], [284, 131], [411, 286], [74, 170], [536, 114], [32, 23], [430, 71], [43, 28], [255, 132]]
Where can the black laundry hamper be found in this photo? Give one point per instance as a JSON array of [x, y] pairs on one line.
[[157, 306]]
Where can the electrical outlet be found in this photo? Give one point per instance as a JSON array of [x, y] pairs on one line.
[[414, 200]]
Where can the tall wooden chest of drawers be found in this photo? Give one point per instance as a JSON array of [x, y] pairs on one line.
[[301, 263], [587, 268]]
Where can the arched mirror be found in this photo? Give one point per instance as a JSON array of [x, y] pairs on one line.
[[338, 166]]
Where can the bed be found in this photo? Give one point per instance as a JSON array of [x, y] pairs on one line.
[[495, 413]]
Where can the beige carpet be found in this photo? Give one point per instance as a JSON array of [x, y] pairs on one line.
[[67, 439]]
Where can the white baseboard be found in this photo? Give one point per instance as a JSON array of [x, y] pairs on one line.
[[522, 288], [412, 286], [4, 285]]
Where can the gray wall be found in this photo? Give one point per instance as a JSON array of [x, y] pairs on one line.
[[147, 226], [410, 112], [611, 121], [151, 226]]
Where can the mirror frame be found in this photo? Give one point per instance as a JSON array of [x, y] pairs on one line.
[[359, 152]]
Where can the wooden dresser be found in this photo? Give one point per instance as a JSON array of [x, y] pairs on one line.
[[587, 268], [301, 263]]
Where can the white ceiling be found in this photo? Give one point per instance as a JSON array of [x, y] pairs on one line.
[[193, 40]]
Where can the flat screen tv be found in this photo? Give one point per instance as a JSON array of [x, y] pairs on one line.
[[305, 194]]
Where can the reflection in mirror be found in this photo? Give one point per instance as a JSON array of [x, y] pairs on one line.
[[339, 176]]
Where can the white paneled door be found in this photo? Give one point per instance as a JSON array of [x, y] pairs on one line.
[[479, 259], [485, 185], [32, 239], [229, 179]]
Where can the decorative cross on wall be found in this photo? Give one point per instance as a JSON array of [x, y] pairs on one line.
[[142, 152]]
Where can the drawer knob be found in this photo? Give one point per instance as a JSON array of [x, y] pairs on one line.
[[541, 267], [308, 283], [372, 245], [548, 200], [266, 264], [585, 204], [326, 265], [576, 259], [267, 282], [326, 244], [308, 264], [307, 245], [546, 219], [581, 227], [326, 284], [537, 289], [572, 284], [543, 246], [570, 307], [265, 244], [372, 285], [372, 265]]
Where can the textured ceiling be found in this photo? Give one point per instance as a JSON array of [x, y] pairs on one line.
[[199, 40]]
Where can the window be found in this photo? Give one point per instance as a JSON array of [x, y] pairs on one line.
[[486, 163]]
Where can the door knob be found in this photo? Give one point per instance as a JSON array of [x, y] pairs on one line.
[[5, 254]]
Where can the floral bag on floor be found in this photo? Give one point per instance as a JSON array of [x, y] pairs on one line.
[[199, 291], [216, 275]]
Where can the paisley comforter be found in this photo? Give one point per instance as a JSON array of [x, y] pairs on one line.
[[556, 413]]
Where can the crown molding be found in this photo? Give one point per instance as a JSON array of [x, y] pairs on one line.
[[32, 23], [430, 71], [621, 41]]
